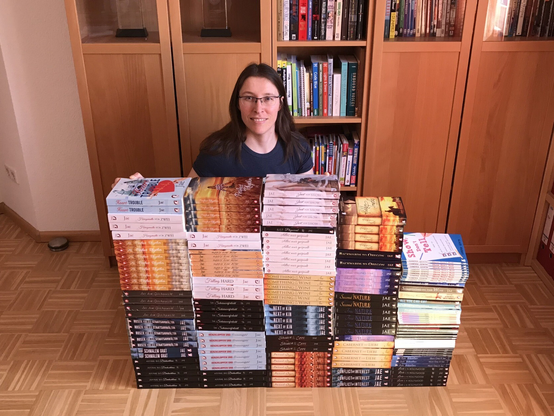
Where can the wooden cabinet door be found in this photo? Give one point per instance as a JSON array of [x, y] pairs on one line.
[[207, 84], [504, 140], [132, 127], [409, 132]]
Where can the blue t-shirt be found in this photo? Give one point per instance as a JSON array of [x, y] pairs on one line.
[[254, 164]]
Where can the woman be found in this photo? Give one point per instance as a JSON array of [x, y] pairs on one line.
[[260, 138]]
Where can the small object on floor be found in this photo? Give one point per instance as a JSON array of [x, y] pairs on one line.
[[58, 244]]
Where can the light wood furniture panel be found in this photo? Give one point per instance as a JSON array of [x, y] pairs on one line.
[[127, 97], [406, 156], [415, 107], [130, 116], [206, 69], [208, 108], [504, 140]]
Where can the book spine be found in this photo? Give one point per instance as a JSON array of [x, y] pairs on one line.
[[323, 18], [286, 19], [294, 76], [325, 91], [545, 18], [294, 19], [521, 17], [315, 83], [387, 19], [336, 93], [355, 157], [439, 18], [303, 20], [460, 15], [352, 87], [343, 87], [360, 23], [400, 22], [316, 19], [338, 19], [418, 18], [345, 17], [330, 61], [392, 19], [348, 171], [329, 33], [528, 13], [309, 17], [280, 20], [352, 20], [452, 24]]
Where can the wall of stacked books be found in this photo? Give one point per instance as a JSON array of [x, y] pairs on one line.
[[281, 282]]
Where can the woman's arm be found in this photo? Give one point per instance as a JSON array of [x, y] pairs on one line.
[[134, 176]]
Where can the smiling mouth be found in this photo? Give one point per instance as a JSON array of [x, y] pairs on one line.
[[258, 120]]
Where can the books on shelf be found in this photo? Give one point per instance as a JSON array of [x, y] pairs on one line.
[[320, 85], [424, 18], [336, 154], [320, 20]]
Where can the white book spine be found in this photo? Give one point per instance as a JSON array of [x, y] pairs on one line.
[[286, 19], [142, 227], [519, 29], [145, 218], [330, 30], [225, 245], [311, 237], [338, 18], [127, 235], [195, 236]]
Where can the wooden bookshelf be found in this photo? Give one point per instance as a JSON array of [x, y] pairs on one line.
[[545, 199], [504, 140], [361, 49], [415, 107], [206, 69], [127, 99]]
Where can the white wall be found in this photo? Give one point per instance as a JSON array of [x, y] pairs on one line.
[[43, 139], [17, 197]]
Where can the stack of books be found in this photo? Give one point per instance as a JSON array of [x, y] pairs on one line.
[[298, 226], [435, 271], [227, 279], [368, 271], [146, 217]]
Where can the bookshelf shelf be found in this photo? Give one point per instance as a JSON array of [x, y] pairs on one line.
[[121, 48], [321, 44], [237, 37], [327, 132], [327, 120], [153, 37], [425, 46], [222, 48], [126, 92], [546, 45]]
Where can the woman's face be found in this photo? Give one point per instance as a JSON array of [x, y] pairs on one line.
[[259, 116]]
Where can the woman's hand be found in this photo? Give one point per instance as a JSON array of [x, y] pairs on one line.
[[134, 176]]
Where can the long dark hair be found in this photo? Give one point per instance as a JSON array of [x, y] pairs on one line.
[[230, 138]]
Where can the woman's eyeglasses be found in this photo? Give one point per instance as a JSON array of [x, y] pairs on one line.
[[266, 101]]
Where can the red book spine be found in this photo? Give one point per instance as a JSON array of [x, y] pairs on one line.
[[303, 20]]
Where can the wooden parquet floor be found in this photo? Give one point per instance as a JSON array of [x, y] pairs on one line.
[[64, 350]]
